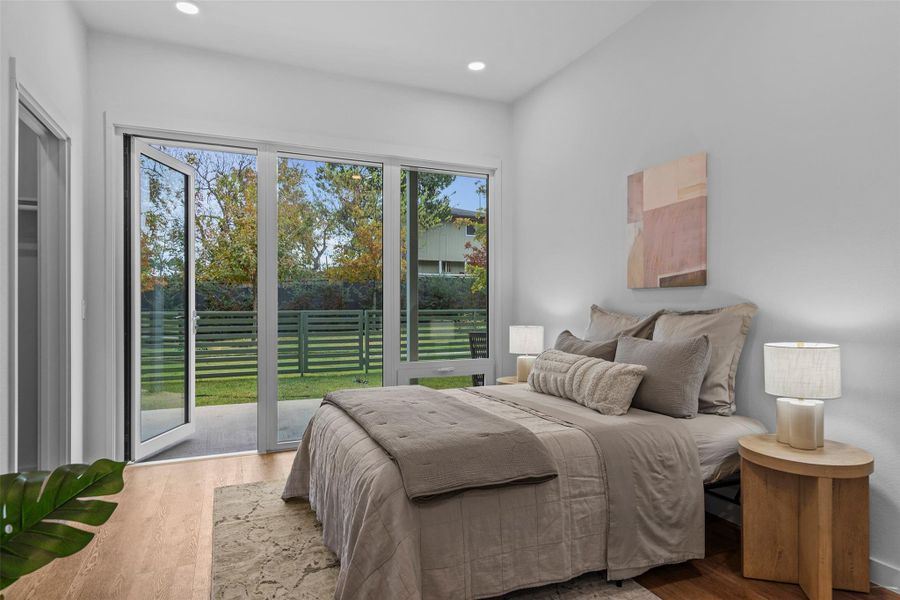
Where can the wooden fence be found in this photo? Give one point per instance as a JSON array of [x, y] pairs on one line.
[[309, 341]]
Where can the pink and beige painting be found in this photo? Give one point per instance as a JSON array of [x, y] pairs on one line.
[[667, 224]]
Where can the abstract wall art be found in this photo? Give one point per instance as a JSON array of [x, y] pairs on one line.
[[667, 224]]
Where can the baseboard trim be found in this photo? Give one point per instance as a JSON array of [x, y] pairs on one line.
[[885, 575]]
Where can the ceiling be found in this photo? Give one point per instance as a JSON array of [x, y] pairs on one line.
[[416, 43]]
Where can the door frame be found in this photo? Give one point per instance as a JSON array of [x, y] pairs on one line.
[[54, 294], [116, 126], [141, 449]]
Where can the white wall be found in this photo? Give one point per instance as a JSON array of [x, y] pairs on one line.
[[48, 41], [210, 93], [798, 106]]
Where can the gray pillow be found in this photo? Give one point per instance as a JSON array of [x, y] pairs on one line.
[[609, 325], [569, 342], [601, 385], [675, 371], [727, 329]]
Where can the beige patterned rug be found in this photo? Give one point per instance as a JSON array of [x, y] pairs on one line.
[[264, 548]]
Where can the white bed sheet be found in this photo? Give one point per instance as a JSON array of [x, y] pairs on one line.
[[717, 442]]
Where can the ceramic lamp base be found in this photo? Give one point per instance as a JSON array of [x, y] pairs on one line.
[[807, 424], [524, 365], [783, 420]]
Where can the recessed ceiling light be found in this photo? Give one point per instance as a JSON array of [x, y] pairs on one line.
[[476, 65], [188, 8]]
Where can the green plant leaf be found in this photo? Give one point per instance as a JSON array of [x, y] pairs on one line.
[[32, 503]]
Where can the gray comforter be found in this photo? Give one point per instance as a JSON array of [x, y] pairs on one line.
[[443, 445], [628, 497]]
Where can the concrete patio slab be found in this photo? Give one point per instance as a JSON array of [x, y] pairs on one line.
[[227, 428]]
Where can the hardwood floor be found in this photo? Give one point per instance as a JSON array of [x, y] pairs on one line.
[[718, 576], [158, 544]]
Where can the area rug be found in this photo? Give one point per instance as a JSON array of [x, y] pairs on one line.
[[264, 548]]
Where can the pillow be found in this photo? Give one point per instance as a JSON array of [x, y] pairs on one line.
[[609, 325], [675, 371], [604, 386], [568, 342], [727, 329]]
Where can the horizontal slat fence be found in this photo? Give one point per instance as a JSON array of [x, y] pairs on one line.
[[309, 341]]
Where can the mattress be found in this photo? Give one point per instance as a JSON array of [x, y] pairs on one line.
[[717, 442]]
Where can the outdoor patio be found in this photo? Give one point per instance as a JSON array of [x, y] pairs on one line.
[[230, 427]]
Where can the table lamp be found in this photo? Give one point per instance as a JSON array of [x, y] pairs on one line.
[[527, 341], [802, 374]]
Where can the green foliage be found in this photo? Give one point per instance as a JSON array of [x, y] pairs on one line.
[[435, 291], [305, 226], [329, 225], [32, 503], [477, 253]]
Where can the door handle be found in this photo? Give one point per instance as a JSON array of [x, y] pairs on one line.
[[196, 321], [444, 370]]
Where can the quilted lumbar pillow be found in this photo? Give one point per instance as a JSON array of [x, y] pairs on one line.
[[604, 386]]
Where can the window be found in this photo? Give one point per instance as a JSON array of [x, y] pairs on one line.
[[443, 308], [353, 272]]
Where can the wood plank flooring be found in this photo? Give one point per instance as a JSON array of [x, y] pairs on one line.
[[158, 544]]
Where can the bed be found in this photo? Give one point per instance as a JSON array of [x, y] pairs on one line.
[[717, 443], [624, 515]]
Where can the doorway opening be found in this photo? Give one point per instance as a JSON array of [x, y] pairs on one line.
[[40, 292], [194, 293]]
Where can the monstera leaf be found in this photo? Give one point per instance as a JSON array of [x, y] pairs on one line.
[[32, 506]]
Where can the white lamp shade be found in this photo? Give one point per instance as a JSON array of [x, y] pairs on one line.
[[802, 370], [526, 339]]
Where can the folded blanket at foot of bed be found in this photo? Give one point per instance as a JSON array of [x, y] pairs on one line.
[[442, 445]]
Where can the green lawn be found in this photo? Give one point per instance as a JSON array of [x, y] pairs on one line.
[[240, 390]]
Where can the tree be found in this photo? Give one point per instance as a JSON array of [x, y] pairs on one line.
[[225, 217], [305, 227], [433, 206], [330, 220], [477, 252], [162, 228]]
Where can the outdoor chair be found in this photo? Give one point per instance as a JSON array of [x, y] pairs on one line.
[[478, 346]]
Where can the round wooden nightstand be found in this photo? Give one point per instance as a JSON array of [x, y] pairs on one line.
[[805, 514], [508, 380]]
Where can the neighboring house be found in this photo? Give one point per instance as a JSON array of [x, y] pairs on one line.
[[442, 249]]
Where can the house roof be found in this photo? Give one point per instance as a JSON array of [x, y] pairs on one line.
[[463, 213]]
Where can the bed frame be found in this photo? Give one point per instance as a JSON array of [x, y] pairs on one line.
[[713, 488]]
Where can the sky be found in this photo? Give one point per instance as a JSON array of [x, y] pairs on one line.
[[463, 193]]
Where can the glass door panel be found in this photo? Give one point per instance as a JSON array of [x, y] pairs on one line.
[[444, 267], [330, 292], [163, 295]]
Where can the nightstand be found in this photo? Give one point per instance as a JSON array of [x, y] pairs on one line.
[[805, 514], [508, 380]]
